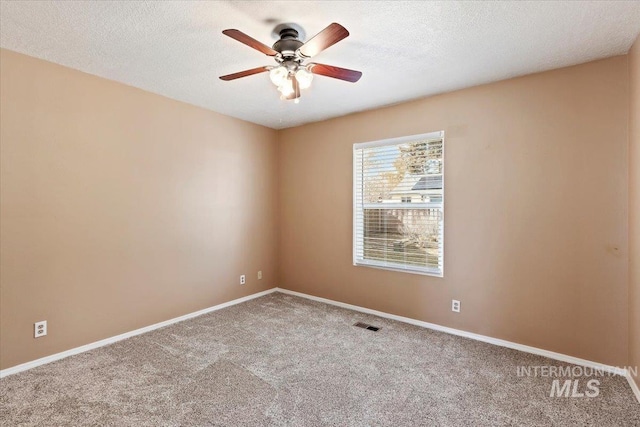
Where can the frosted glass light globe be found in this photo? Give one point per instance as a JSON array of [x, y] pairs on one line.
[[278, 75], [286, 88], [304, 78]]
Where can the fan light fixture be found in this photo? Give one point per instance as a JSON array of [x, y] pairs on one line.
[[282, 77], [291, 75]]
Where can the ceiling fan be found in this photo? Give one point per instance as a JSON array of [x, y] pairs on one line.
[[291, 74]]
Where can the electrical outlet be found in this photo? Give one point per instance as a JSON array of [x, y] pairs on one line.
[[455, 305], [40, 329], [243, 279], [260, 275]]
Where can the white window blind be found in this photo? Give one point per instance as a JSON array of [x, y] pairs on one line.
[[398, 217]]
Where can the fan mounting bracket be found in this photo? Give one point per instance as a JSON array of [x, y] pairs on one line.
[[277, 31]]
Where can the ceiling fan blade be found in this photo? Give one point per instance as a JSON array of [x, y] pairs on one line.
[[249, 41], [296, 89], [335, 72], [244, 73], [325, 38]]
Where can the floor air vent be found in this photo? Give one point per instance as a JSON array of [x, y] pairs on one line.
[[367, 326]]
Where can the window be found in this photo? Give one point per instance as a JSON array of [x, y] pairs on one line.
[[398, 217]]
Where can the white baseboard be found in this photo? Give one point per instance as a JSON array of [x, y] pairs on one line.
[[634, 386], [107, 341], [496, 341]]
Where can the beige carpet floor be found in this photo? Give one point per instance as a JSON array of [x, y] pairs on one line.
[[285, 361]]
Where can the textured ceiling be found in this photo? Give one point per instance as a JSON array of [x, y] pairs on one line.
[[405, 50]]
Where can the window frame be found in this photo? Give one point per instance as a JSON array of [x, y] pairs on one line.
[[361, 262]]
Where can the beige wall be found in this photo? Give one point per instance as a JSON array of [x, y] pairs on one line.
[[121, 208], [634, 207], [536, 239]]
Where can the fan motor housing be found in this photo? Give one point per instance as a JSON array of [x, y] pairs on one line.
[[288, 43]]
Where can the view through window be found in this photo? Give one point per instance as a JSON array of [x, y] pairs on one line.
[[399, 203]]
